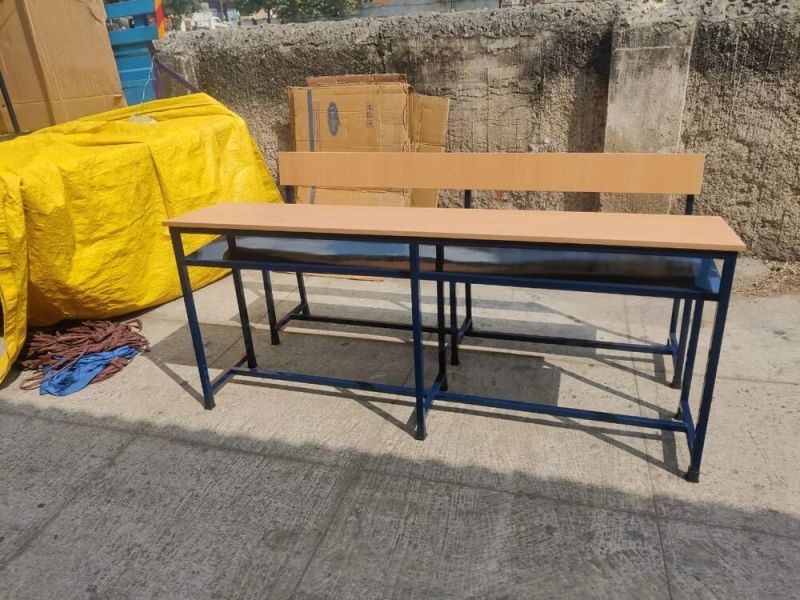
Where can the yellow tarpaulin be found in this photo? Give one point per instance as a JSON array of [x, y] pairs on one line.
[[82, 205]]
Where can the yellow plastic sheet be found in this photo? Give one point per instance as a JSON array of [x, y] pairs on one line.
[[81, 206]]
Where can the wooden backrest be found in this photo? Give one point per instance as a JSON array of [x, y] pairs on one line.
[[541, 172]]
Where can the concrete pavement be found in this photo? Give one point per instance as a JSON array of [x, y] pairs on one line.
[[130, 489]]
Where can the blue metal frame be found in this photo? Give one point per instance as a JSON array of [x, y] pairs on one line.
[[425, 397]]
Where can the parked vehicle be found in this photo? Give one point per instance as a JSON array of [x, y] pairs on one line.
[[206, 20]]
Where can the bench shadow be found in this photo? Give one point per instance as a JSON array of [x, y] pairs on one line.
[[654, 365], [583, 328], [204, 489]]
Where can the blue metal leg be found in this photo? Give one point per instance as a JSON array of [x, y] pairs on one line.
[[725, 286], [683, 406], [273, 320], [454, 359], [467, 286], [673, 320], [440, 321], [241, 302], [416, 327], [244, 318], [680, 354], [672, 339], [468, 304], [301, 287], [194, 325]]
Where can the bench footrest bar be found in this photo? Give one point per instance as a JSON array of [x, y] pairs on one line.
[[565, 341], [294, 316], [383, 388], [562, 411], [436, 393]]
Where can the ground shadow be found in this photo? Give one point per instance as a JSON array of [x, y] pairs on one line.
[[258, 516], [575, 326]]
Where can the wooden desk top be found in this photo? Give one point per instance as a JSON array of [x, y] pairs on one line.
[[580, 228]]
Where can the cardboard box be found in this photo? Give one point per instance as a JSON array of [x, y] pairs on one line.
[[56, 61], [359, 118], [366, 113], [351, 79], [428, 134]]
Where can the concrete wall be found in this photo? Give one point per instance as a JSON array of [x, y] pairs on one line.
[[743, 110], [537, 78], [409, 7]]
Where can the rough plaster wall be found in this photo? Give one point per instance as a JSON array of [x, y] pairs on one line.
[[646, 92], [743, 109], [536, 78], [519, 79]]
